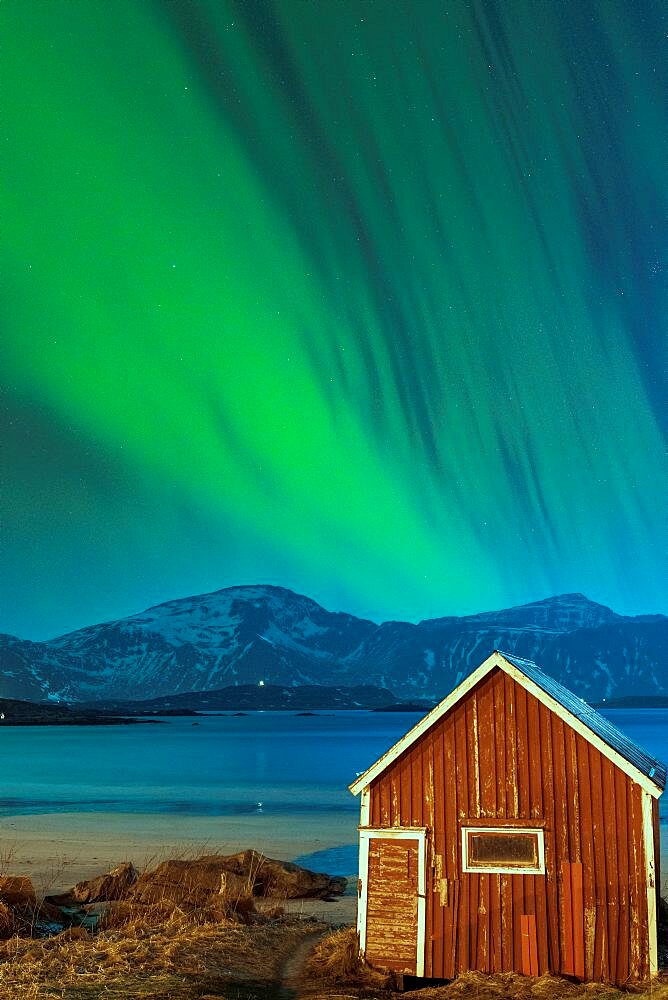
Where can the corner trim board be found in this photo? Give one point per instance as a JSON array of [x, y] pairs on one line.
[[362, 866], [650, 879]]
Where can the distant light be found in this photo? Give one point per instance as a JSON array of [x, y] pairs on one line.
[[261, 684]]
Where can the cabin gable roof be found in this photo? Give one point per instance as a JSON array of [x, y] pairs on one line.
[[575, 712]]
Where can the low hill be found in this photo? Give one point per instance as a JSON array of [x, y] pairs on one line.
[[269, 697]]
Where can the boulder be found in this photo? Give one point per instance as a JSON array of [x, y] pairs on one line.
[[105, 888], [189, 883], [17, 891], [45, 920], [281, 879], [7, 922], [233, 877], [22, 913], [49, 913], [72, 934]]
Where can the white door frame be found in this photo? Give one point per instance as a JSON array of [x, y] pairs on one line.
[[394, 833]]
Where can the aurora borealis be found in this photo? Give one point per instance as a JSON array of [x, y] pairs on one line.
[[366, 298]]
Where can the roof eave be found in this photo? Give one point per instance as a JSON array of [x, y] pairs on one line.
[[424, 724], [497, 659]]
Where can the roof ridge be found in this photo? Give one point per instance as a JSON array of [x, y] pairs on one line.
[[612, 735], [625, 753]]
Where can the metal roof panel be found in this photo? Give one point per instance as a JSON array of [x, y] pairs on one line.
[[597, 723]]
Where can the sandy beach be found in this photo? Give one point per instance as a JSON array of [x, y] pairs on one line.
[[59, 849]]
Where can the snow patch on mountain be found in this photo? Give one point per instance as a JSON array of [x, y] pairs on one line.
[[242, 635]]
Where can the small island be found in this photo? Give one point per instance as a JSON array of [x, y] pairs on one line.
[[633, 701], [14, 712]]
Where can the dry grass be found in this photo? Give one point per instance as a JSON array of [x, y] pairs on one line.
[[177, 957], [161, 987], [165, 953], [335, 960], [477, 986], [217, 946], [224, 947], [334, 963]]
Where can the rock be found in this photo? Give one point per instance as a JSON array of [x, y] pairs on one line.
[[22, 913], [45, 921], [38, 919], [189, 883], [73, 934], [17, 890], [47, 912], [105, 888], [7, 923], [235, 878], [282, 879]]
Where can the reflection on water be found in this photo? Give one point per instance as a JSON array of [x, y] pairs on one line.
[[267, 764]]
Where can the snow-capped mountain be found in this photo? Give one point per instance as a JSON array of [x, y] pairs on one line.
[[244, 635]]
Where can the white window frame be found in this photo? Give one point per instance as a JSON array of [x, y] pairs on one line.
[[500, 869], [395, 833]]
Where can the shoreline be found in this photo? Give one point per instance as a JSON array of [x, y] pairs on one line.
[[59, 849]]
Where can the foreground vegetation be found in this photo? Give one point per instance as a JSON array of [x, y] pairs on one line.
[[168, 954], [157, 954], [215, 926], [207, 926], [334, 966]]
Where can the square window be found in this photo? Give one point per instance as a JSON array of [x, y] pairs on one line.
[[505, 850]]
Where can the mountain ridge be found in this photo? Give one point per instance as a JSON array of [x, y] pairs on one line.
[[252, 633]]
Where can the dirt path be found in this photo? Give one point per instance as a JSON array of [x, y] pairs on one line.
[[291, 983]]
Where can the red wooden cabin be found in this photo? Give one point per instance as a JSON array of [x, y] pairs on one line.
[[512, 829]]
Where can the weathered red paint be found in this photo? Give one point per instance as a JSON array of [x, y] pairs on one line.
[[392, 904], [500, 757]]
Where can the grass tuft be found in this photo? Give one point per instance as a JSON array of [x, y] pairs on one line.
[[335, 960]]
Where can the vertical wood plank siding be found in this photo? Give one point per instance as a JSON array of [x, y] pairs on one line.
[[498, 757]]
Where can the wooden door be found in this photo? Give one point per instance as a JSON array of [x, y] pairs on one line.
[[392, 904]]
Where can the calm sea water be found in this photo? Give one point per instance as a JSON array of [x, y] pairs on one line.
[[274, 765]]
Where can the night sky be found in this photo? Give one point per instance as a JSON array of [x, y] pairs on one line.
[[367, 298]]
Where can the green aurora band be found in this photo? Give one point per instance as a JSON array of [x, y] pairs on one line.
[[363, 297]]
